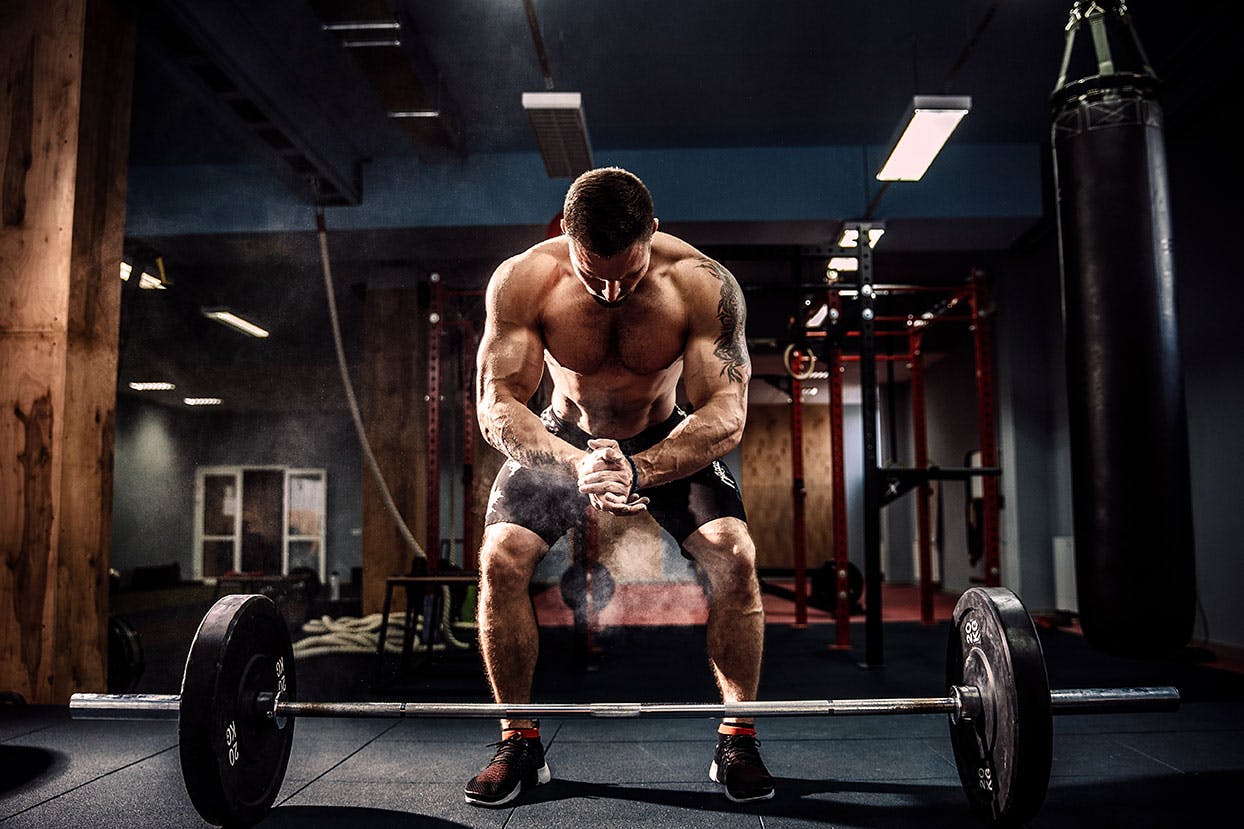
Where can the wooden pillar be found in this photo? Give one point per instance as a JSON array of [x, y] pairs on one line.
[[395, 414], [64, 140]]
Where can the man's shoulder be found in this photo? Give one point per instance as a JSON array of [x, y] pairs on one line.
[[693, 271], [532, 270], [538, 260], [676, 252]]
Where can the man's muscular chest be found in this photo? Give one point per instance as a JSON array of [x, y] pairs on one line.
[[643, 336]]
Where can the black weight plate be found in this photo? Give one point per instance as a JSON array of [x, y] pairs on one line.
[[232, 758], [125, 656], [1004, 755]]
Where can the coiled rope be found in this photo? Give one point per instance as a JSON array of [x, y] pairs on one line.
[[349, 634]]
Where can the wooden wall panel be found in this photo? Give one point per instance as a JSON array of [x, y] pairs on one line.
[[766, 449]]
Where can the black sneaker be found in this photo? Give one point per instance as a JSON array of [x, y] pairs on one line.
[[737, 764], [518, 762]]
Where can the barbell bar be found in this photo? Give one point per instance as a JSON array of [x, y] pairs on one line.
[[1066, 701], [238, 704]]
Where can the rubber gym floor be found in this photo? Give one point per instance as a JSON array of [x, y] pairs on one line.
[[1118, 769]]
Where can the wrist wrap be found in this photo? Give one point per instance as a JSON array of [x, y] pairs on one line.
[[634, 474]]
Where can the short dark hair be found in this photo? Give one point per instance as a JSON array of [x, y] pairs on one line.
[[607, 210]]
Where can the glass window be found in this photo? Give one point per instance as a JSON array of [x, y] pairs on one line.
[[306, 504], [217, 558], [220, 504], [304, 554]]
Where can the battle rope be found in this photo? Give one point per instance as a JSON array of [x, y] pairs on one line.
[[321, 229]]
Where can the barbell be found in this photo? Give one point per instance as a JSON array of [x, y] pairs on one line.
[[238, 703]]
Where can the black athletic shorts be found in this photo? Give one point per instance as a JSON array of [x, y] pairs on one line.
[[549, 503]]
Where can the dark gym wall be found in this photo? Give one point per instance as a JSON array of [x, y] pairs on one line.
[[1206, 175], [153, 488], [1031, 398], [158, 449]]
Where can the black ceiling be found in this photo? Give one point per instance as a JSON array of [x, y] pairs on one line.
[[656, 73]]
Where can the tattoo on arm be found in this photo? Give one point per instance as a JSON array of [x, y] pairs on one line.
[[509, 444], [731, 313]]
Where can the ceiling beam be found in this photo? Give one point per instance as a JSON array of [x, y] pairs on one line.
[[232, 61], [386, 46]]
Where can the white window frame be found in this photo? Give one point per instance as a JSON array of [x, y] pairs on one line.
[[200, 497], [319, 537], [201, 474]]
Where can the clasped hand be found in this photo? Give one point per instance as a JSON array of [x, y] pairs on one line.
[[606, 477]]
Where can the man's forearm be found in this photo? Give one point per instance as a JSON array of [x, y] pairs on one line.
[[519, 434], [693, 444]]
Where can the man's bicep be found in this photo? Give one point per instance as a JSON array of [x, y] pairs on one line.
[[511, 353], [707, 375], [510, 361], [716, 360]]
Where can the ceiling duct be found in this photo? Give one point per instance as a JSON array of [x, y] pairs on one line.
[[556, 117], [557, 120]]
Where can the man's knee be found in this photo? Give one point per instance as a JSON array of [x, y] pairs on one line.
[[726, 552], [508, 556]]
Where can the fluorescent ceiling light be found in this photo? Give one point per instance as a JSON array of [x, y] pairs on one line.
[[145, 280], [227, 317], [561, 132], [553, 100], [416, 113], [925, 128], [362, 26], [152, 386], [202, 401], [837, 265], [819, 317], [851, 238]]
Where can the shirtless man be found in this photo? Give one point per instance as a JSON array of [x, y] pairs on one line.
[[617, 313]]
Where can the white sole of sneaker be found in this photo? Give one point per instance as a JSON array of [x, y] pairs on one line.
[[714, 774], [543, 775]]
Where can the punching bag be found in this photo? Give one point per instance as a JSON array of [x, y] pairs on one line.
[[1131, 493]]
